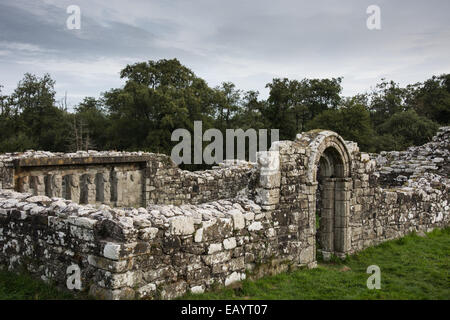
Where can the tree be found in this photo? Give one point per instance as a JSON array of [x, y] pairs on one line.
[[279, 108], [249, 115], [158, 97], [227, 104], [352, 122], [323, 94], [11, 139], [386, 100], [4, 106], [89, 126], [292, 103], [432, 98], [36, 116], [408, 128]]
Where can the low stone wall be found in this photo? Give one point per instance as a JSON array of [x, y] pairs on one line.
[[379, 214], [159, 252], [33, 237], [112, 178], [119, 179], [395, 193], [167, 184], [395, 168]]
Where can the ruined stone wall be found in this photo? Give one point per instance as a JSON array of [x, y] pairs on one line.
[[395, 193], [168, 184], [120, 178], [34, 238], [222, 225], [158, 252], [111, 178], [395, 168], [364, 199], [385, 214], [112, 184]]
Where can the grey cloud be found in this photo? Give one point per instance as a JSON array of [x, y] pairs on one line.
[[247, 42]]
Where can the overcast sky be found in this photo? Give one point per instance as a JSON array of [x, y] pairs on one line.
[[248, 42]]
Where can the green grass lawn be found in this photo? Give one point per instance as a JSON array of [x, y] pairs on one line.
[[24, 287], [411, 268]]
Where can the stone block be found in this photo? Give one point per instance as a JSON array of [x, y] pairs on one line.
[[112, 251], [267, 196], [238, 219], [229, 243], [181, 225]]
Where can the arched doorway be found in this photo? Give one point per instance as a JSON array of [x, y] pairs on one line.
[[332, 205]]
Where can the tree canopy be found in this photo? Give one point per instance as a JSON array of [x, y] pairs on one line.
[[161, 96]]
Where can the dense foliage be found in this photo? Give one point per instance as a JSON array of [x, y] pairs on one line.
[[161, 96]]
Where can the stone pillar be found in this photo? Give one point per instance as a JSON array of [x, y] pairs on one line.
[[116, 184], [310, 190], [56, 185], [327, 221], [106, 188], [342, 230], [268, 191], [146, 184], [102, 187], [37, 185], [308, 193], [91, 188], [87, 188], [74, 187], [120, 177], [99, 187], [65, 186], [24, 184]]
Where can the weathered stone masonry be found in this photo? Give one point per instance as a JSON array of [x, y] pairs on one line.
[[146, 229], [119, 179]]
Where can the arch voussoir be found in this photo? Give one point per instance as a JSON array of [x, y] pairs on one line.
[[320, 141]]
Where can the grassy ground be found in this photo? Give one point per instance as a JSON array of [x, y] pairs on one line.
[[411, 268], [24, 287]]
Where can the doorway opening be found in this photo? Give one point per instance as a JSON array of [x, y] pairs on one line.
[[332, 205]]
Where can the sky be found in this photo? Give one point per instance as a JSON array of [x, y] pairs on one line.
[[247, 42]]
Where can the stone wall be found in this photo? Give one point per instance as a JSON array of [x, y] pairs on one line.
[[222, 225], [158, 252], [119, 178], [395, 193], [361, 202], [167, 184], [397, 167]]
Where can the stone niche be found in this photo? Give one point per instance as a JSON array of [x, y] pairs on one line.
[[120, 179], [115, 184]]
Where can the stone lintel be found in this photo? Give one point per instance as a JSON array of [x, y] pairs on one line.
[[60, 161]]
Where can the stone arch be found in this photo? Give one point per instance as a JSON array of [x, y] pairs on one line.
[[329, 174], [330, 145]]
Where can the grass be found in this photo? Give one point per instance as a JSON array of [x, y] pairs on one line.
[[411, 268], [24, 287]]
